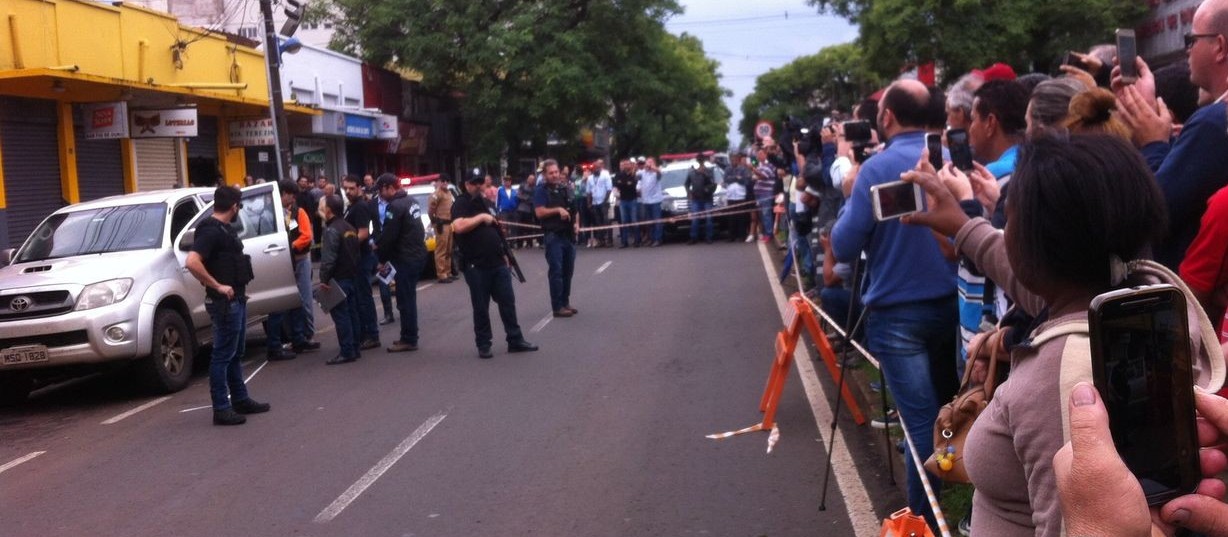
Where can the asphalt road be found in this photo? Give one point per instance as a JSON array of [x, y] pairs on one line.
[[600, 433]]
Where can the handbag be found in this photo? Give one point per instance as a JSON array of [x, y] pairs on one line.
[[955, 419]]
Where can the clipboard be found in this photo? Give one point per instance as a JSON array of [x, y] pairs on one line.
[[332, 296], [387, 275]]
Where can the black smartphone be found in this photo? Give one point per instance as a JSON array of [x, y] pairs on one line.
[[857, 132], [1141, 364], [1071, 59], [1127, 51], [896, 199], [933, 143], [961, 150]]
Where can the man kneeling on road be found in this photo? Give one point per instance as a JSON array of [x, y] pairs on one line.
[[218, 262], [484, 263]]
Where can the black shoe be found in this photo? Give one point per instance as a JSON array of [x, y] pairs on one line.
[[280, 355], [709, 241], [621, 246], [369, 344], [306, 347], [249, 406], [228, 417], [401, 346], [690, 242], [388, 319], [484, 353], [521, 346], [563, 312], [339, 359]]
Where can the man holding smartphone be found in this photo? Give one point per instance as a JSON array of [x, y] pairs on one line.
[[1194, 166], [911, 294]]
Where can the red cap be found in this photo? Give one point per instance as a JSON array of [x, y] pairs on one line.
[[997, 71]]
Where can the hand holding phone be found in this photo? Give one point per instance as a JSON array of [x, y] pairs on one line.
[[960, 148], [933, 144], [896, 199], [1127, 53]]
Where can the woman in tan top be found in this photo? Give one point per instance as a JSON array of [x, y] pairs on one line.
[[1073, 204]]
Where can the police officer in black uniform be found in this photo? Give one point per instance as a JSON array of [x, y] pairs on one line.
[[552, 203], [485, 266], [218, 262]]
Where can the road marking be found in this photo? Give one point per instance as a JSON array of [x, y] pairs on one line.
[[369, 478], [195, 408], [856, 500], [424, 287], [245, 381], [542, 323], [14, 463], [129, 413], [603, 267]]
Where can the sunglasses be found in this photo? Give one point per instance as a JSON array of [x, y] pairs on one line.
[[1192, 38]]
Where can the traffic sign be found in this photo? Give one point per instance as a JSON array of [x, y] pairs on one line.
[[764, 129]]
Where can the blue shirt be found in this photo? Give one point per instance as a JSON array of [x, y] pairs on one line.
[[1189, 171], [905, 264], [1005, 165], [650, 187], [507, 200], [600, 187]]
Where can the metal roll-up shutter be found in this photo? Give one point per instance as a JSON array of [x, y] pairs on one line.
[[203, 168], [157, 163], [100, 167], [31, 164]]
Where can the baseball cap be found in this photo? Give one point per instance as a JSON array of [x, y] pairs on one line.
[[387, 180], [476, 177], [997, 71]]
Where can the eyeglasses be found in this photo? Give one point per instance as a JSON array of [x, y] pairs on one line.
[[1192, 38]]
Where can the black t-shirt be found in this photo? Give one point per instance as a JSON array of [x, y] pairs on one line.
[[360, 214], [218, 246], [625, 183], [481, 246]]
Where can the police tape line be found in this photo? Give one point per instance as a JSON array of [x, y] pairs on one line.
[[914, 459], [714, 212]]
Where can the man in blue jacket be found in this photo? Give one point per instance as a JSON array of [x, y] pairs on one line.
[[913, 314]]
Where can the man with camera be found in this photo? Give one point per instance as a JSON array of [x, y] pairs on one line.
[[911, 293], [217, 261]]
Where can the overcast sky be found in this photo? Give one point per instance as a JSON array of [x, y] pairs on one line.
[[750, 38]]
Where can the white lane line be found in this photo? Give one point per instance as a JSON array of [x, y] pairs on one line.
[[13, 464], [852, 490], [129, 413], [424, 287], [603, 267], [245, 381], [195, 408], [369, 478], [541, 324]]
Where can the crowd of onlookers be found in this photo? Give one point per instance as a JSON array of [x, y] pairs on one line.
[[1075, 172]]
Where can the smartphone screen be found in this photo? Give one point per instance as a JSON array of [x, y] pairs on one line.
[[1071, 59], [857, 132], [1126, 54], [1141, 366], [961, 151], [933, 142], [893, 200]]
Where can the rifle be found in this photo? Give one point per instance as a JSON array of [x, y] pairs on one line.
[[511, 258]]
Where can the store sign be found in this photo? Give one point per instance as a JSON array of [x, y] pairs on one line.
[[309, 151], [252, 133], [387, 128], [105, 121], [165, 123], [359, 127]]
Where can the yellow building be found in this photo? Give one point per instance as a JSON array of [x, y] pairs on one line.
[[99, 99]]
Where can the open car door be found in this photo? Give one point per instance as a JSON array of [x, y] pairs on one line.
[[261, 226]]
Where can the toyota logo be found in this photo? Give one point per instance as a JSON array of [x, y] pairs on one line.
[[21, 303]]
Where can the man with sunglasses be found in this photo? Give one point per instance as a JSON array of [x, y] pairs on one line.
[[1192, 166]]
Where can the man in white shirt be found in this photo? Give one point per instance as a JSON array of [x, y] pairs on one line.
[[651, 196], [598, 201]]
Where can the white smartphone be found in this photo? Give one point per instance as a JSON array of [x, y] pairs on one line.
[[896, 199]]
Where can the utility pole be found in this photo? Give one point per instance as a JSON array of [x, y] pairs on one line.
[[277, 107]]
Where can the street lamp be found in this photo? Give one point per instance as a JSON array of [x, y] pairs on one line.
[[277, 107]]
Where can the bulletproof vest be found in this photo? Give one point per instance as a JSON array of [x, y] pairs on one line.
[[557, 196], [228, 264]]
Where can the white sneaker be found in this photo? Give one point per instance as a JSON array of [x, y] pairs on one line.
[[750, 238]]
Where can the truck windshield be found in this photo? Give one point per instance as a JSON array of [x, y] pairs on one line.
[[96, 231]]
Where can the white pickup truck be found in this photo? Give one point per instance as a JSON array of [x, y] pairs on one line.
[[104, 282]]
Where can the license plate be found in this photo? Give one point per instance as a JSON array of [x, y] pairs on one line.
[[26, 354]]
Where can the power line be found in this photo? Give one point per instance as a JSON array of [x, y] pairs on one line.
[[737, 20]]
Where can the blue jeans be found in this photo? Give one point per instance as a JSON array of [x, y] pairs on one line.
[[229, 319], [407, 297], [561, 260], [627, 211], [697, 206], [345, 318], [904, 338], [302, 277], [367, 319], [486, 284], [275, 324], [835, 302], [652, 211], [767, 218]]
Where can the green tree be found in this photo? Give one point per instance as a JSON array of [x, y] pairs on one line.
[[836, 78], [525, 72], [1030, 35]]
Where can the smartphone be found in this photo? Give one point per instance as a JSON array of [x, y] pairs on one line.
[[933, 142], [1071, 59], [857, 132], [1141, 364], [896, 199], [961, 150], [1127, 51]]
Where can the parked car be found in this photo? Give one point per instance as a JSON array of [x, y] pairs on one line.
[[103, 282], [673, 184]]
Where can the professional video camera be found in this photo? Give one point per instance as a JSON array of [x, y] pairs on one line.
[[807, 134]]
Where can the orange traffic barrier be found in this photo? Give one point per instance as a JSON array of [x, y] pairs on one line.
[[801, 315]]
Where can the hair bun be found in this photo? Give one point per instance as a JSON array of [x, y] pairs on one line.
[[1094, 106]]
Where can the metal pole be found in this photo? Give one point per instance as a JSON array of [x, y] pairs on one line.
[[277, 108]]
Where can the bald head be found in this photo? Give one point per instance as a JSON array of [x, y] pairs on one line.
[[908, 101], [1213, 14]]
